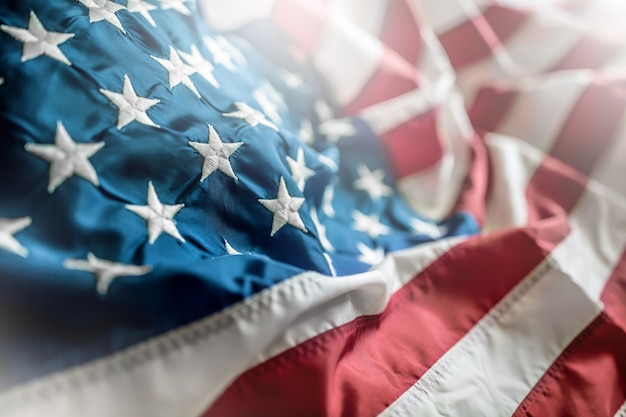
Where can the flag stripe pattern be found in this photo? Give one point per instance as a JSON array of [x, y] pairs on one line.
[[312, 208]]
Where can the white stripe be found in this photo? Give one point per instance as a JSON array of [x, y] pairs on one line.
[[513, 163], [622, 411], [348, 57], [543, 106], [554, 32], [233, 14], [490, 371], [443, 181], [435, 89], [609, 173], [598, 234], [444, 15], [500, 360], [370, 18], [180, 373]]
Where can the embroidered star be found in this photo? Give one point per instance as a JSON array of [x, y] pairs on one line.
[[270, 100], [330, 163], [104, 10], [9, 227], [321, 231], [266, 104], [216, 155], [370, 256], [335, 129], [38, 41], [299, 171], [229, 249], [67, 158], [306, 132], [142, 7], [327, 199], [158, 216], [200, 65], [178, 5], [369, 224], [223, 52], [323, 110], [131, 107], [105, 271], [292, 80], [427, 228], [285, 209], [372, 182], [178, 72], [250, 115]]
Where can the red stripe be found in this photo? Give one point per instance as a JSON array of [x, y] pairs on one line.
[[401, 32], [504, 21], [589, 378], [469, 42], [393, 77], [592, 124], [490, 107], [415, 145], [473, 194], [474, 39], [586, 136], [590, 52], [303, 21], [554, 190], [359, 368]]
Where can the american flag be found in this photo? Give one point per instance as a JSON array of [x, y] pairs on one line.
[[312, 208]]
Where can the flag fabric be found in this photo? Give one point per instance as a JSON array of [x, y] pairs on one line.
[[312, 208]]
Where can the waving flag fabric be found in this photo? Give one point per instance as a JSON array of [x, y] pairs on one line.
[[312, 208]]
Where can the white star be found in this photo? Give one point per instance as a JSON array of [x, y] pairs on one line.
[[285, 209], [177, 71], [323, 110], [330, 163], [250, 115], [335, 129], [270, 100], [1, 80], [427, 228], [66, 158], [321, 231], [8, 227], [177, 5], [306, 132], [158, 216], [200, 65], [216, 154], [370, 256], [230, 250], [266, 104], [292, 80], [327, 199], [104, 10], [372, 182], [369, 224], [105, 271], [131, 107], [38, 41], [299, 171], [223, 52], [142, 7]]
